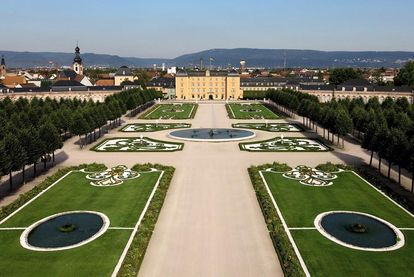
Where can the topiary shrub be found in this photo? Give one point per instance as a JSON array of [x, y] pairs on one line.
[[279, 167]]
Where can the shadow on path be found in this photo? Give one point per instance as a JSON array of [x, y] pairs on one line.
[[18, 176]]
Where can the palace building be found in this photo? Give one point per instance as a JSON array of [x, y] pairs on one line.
[[213, 85]]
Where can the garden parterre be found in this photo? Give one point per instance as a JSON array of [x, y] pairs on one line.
[[123, 204], [300, 198], [153, 127], [143, 144], [171, 111], [270, 127], [250, 111], [285, 144]]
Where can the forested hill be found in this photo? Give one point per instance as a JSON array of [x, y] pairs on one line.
[[223, 58]]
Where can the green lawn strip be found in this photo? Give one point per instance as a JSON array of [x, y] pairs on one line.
[[95, 148], [161, 111], [348, 192], [326, 258], [328, 148], [136, 252], [122, 204], [240, 114], [262, 126], [287, 256], [97, 258], [152, 127], [24, 198], [300, 204], [117, 202]]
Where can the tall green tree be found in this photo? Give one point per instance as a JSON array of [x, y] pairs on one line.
[[341, 75], [406, 75], [16, 154]]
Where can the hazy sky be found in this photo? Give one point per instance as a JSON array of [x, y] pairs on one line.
[[160, 28]]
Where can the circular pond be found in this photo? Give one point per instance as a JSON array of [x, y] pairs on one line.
[[64, 231], [359, 231], [212, 134]]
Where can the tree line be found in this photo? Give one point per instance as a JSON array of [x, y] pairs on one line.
[[31, 131], [385, 129]]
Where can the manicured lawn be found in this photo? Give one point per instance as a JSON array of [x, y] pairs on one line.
[[270, 127], [171, 111], [287, 144], [250, 111], [300, 204], [123, 205], [152, 127], [137, 145]]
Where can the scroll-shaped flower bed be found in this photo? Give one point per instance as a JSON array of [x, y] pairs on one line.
[[310, 177], [112, 177]]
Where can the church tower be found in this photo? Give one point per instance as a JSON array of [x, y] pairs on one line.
[[2, 67], [77, 62]]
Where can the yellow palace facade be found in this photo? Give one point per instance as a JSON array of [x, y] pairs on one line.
[[213, 85]]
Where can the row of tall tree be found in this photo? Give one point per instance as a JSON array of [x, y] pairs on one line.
[[386, 129], [31, 131]]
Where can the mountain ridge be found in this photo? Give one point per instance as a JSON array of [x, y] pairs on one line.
[[255, 57]]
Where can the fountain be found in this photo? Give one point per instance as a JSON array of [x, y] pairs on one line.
[[359, 231], [212, 134], [64, 231]]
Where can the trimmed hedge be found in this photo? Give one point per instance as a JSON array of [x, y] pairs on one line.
[[287, 256], [136, 252], [229, 113], [279, 167], [331, 167], [192, 115], [25, 197]]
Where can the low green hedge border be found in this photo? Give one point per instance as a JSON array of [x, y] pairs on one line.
[[328, 148], [193, 113], [136, 252], [287, 256], [229, 113], [25, 197], [154, 140], [144, 114]]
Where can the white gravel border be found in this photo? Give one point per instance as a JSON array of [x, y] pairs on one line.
[[26, 232], [400, 237]]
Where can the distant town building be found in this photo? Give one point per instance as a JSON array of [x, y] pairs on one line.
[[208, 85], [124, 74], [105, 82], [172, 70], [262, 83], [164, 85]]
